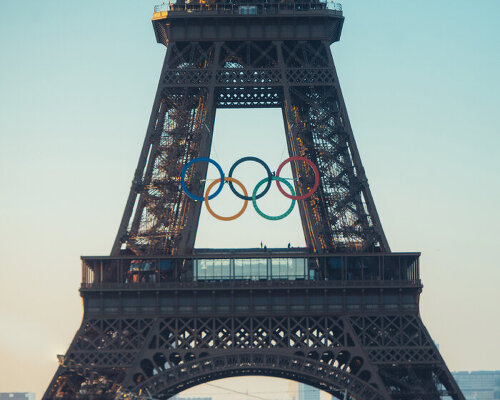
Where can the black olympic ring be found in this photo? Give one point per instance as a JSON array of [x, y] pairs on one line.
[[269, 177]]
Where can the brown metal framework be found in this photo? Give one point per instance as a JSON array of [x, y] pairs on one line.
[[354, 326], [153, 326], [297, 75]]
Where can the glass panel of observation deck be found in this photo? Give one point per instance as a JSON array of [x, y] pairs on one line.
[[251, 269]]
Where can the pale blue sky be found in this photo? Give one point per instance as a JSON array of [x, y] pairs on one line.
[[77, 80]]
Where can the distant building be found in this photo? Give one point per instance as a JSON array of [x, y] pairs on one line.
[[479, 385], [307, 392], [17, 396], [293, 390]]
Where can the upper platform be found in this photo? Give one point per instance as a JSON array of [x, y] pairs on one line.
[[248, 20], [258, 267]]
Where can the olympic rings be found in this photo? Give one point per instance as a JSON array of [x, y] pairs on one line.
[[237, 215], [183, 177], [255, 196], [316, 178], [254, 199], [269, 177]]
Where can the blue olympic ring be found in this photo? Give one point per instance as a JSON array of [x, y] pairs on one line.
[[183, 178]]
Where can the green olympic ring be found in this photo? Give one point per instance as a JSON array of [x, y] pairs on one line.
[[270, 217]]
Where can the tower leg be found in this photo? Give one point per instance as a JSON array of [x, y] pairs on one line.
[[341, 215], [158, 217]]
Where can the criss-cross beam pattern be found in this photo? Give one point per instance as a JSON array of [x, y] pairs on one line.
[[153, 327], [371, 356], [297, 76]]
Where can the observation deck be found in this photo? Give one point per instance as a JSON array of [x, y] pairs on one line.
[[266, 282], [248, 20]]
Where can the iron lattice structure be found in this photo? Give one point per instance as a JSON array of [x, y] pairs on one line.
[[153, 326], [298, 75]]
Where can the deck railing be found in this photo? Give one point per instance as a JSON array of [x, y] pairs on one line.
[[245, 7], [226, 269]]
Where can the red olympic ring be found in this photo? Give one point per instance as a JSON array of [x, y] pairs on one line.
[[316, 178]]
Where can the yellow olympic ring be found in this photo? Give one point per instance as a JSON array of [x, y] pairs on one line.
[[207, 193]]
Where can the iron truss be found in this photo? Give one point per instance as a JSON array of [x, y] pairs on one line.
[[298, 76], [131, 345], [373, 356]]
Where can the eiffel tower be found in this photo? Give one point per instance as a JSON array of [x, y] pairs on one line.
[[341, 314]]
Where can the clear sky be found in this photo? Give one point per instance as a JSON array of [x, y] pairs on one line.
[[77, 80]]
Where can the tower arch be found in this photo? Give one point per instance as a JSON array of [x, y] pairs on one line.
[[328, 377]]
